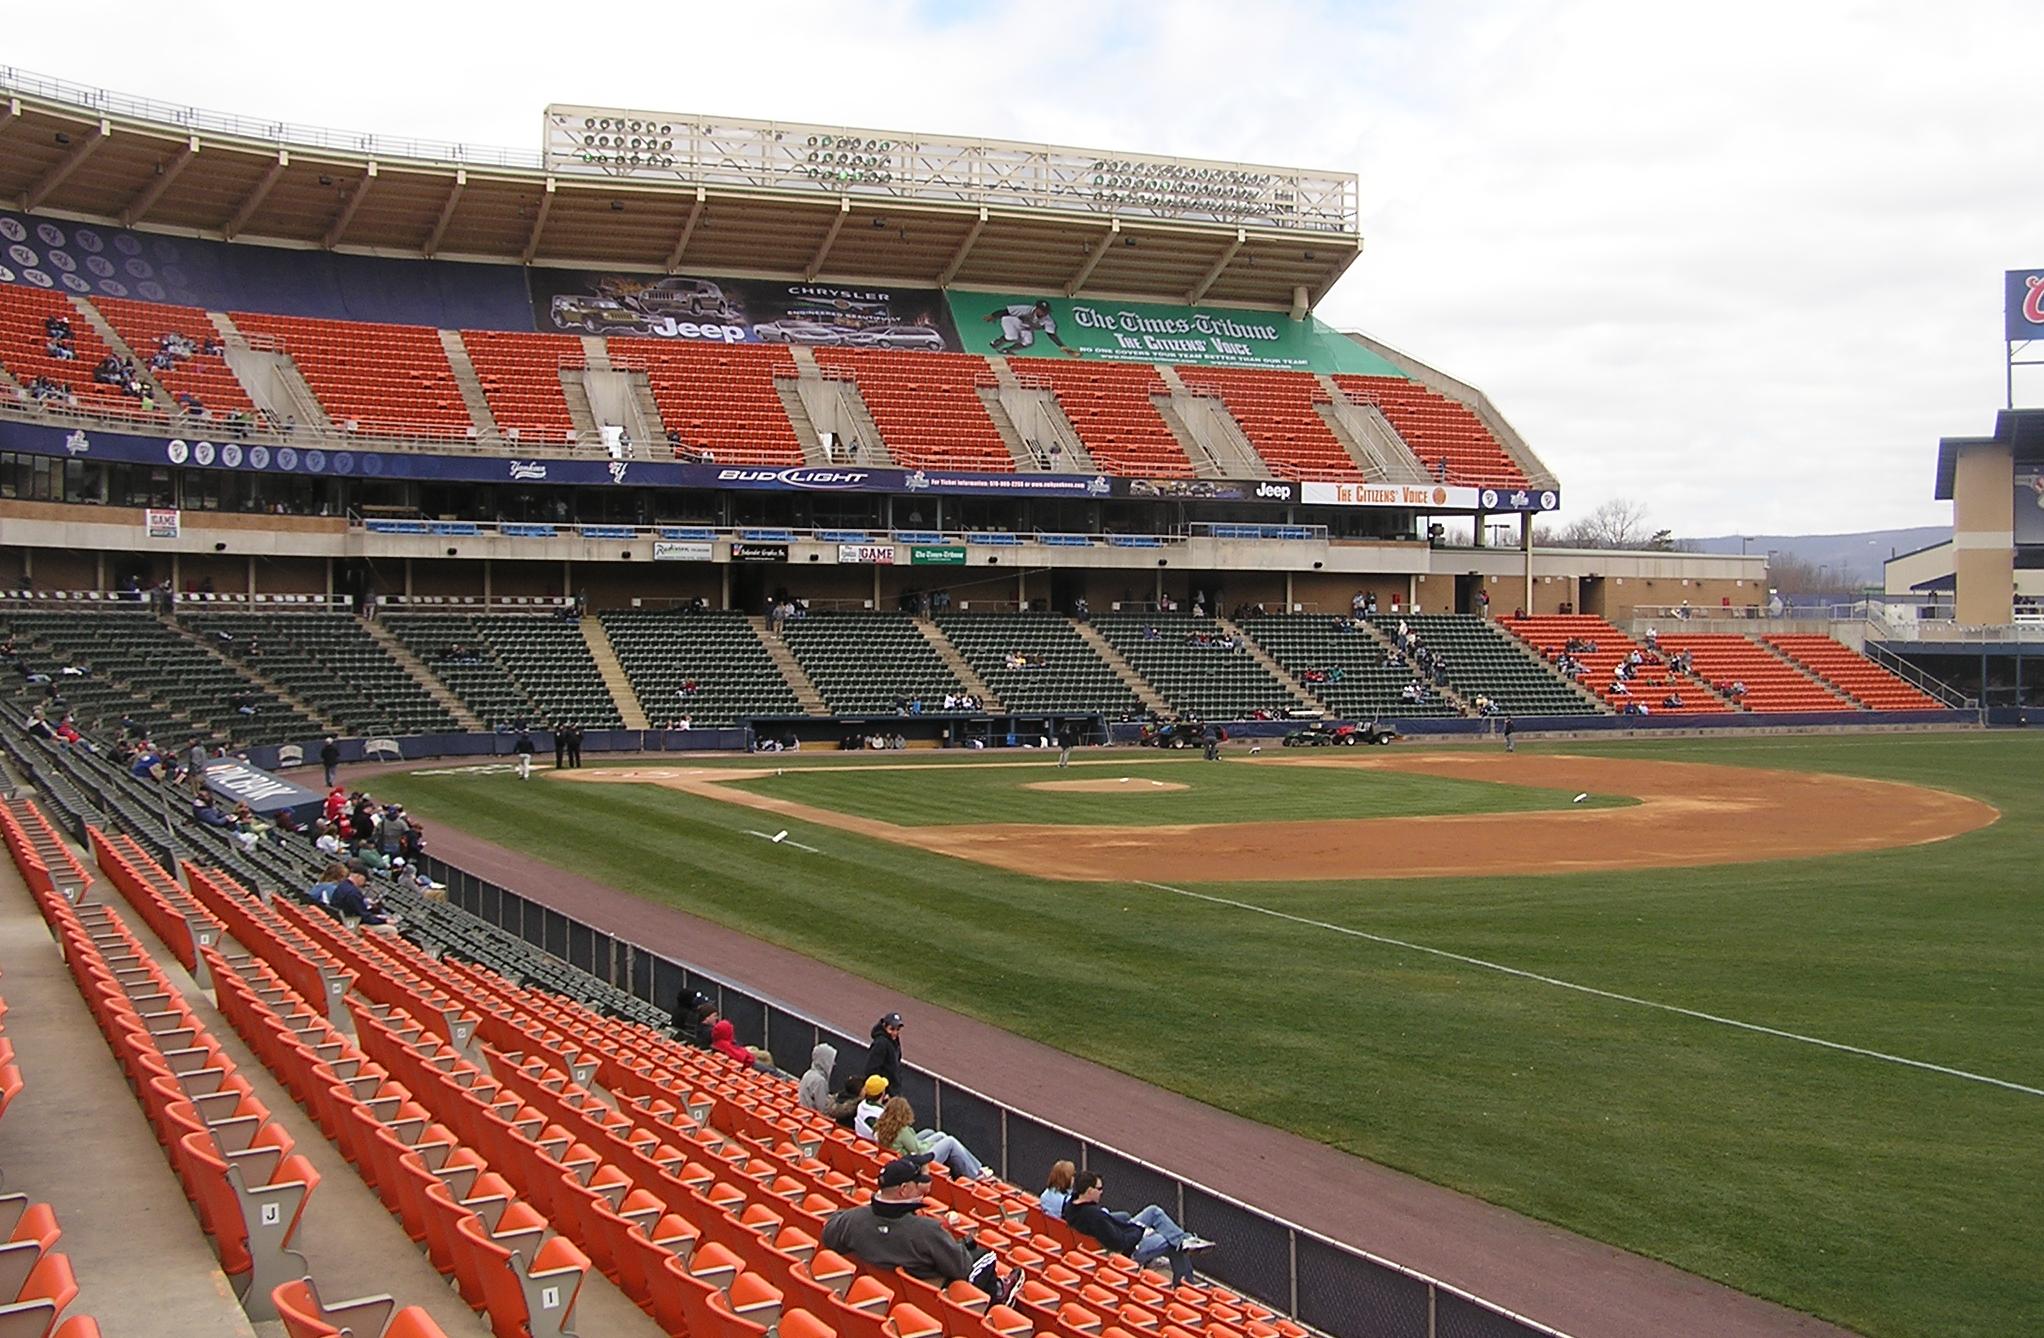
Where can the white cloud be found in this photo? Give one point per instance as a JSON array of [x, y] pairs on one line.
[[1740, 261]]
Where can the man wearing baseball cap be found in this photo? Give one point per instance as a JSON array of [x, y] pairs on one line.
[[892, 1232], [883, 1057]]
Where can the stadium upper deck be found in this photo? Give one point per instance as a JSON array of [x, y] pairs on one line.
[[760, 198]]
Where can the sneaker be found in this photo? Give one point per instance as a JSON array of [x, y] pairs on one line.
[[1192, 1244], [1012, 1286]]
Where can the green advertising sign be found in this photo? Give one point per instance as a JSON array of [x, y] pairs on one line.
[[1060, 327], [936, 555]]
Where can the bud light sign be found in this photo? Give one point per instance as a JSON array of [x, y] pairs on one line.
[[2025, 305]]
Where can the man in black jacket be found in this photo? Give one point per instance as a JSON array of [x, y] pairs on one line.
[[1146, 1237], [330, 758], [891, 1232], [884, 1055]]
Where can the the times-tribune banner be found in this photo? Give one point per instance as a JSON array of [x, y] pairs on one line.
[[2025, 304], [741, 311], [1038, 325]]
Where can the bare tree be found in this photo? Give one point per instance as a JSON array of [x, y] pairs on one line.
[[1618, 523]]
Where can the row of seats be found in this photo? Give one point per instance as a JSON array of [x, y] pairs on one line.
[[1653, 682], [1486, 662], [1772, 683], [331, 663], [1277, 410], [206, 376], [515, 669], [1112, 406], [862, 662], [927, 406], [1343, 666], [24, 349], [1854, 674], [1446, 435], [1203, 680], [36, 1283], [718, 398], [1062, 673], [708, 667], [521, 380], [387, 379]]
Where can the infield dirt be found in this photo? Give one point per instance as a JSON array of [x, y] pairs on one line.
[[1689, 813]]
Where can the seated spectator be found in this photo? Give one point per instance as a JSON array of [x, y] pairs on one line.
[[1672, 702], [707, 1018], [872, 1105], [321, 893], [686, 1003], [208, 813], [1147, 1237], [896, 1131], [352, 901], [891, 1232], [723, 1039], [1618, 688], [814, 1091], [1056, 1189]]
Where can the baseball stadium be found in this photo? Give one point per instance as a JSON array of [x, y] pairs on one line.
[[516, 658]]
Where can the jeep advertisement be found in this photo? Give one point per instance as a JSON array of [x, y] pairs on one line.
[[741, 311]]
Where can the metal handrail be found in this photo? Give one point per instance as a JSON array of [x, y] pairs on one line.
[[1918, 679], [368, 434]]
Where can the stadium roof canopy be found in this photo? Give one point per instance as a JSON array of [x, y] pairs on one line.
[[2022, 430], [617, 189]]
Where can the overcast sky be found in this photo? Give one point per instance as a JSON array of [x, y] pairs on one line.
[[1741, 262]]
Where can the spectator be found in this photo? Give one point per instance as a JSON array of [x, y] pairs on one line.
[[321, 893], [1147, 1237], [351, 900], [814, 1091], [707, 1018], [206, 812], [896, 1131], [687, 1002], [883, 1057], [872, 1105], [1057, 1189], [891, 1232], [723, 1039], [330, 759]]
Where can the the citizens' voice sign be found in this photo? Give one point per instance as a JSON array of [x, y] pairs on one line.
[[2025, 304]]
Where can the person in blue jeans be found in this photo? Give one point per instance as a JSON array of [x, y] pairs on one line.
[[1146, 1237]]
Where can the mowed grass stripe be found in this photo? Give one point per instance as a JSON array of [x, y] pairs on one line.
[[1215, 792], [1886, 1199]]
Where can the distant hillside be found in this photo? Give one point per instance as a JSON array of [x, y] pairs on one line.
[[1859, 555]]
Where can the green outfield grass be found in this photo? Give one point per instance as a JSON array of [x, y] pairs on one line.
[[921, 796], [1885, 1198]]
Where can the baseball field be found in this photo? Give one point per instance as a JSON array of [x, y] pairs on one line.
[[1768, 1009]]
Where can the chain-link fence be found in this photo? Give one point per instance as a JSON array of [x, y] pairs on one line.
[[1322, 1283]]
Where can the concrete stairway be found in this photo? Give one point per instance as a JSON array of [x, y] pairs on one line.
[[426, 678], [596, 353], [243, 669], [1213, 440], [1271, 666], [471, 385], [1018, 450], [806, 695], [1844, 698], [577, 396], [1448, 693], [140, 358], [621, 691], [958, 664], [1369, 438], [1146, 694], [790, 394], [271, 379], [654, 444]]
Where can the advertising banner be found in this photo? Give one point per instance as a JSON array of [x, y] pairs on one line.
[[1428, 497], [1209, 490], [160, 523], [871, 555], [2024, 304], [262, 792], [1045, 325], [740, 311], [937, 555], [681, 550], [746, 551]]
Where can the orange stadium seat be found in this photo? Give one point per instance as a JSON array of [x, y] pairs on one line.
[[717, 398], [521, 379], [388, 380], [1854, 674], [1275, 409], [927, 406], [206, 376], [1446, 435], [1652, 682], [24, 349], [1110, 405]]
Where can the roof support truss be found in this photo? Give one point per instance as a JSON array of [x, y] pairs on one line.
[[688, 230], [837, 225], [65, 166], [1093, 258], [348, 208], [965, 246], [166, 172], [546, 206], [447, 211], [1199, 290], [257, 194]]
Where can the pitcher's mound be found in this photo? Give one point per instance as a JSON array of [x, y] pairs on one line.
[[1118, 785]]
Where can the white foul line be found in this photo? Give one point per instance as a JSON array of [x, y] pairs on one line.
[[784, 841], [1602, 994]]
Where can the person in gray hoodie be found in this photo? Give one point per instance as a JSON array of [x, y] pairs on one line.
[[814, 1093]]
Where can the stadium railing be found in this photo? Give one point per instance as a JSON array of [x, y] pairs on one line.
[[1338, 1289]]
